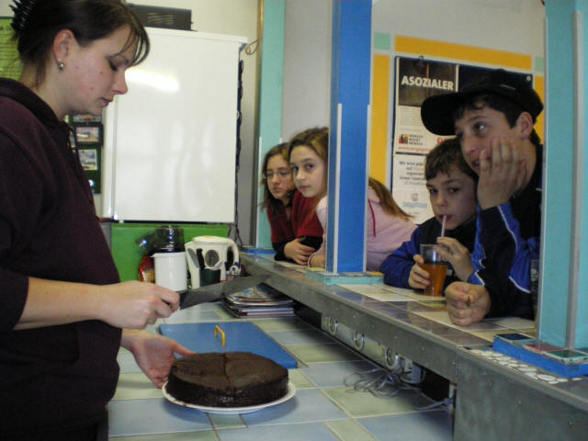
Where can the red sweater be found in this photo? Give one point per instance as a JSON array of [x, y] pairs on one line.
[[56, 376], [302, 223]]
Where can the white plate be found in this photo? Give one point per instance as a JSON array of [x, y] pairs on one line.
[[232, 410]]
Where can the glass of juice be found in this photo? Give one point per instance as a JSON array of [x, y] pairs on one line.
[[436, 267]]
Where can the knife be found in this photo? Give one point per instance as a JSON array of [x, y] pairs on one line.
[[217, 291]]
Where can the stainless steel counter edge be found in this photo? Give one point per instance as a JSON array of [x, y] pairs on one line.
[[374, 319]]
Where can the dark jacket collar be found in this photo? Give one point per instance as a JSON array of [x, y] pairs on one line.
[[25, 96]]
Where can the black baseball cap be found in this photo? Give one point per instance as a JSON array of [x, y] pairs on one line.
[[437, 111]]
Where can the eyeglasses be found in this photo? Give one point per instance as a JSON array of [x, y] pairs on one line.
[[282, 174]]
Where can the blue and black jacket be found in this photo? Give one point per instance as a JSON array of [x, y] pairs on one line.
[[507, 241]]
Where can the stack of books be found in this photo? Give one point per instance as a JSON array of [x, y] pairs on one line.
[[259, 301]]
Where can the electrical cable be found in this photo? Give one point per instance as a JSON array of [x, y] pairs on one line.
[[378, 381], [389, 383]]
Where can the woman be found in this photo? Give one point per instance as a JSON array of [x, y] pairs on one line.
[[63, 308], [296, 231]]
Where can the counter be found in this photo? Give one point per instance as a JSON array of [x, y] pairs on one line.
[[375, 322], [497, 397], [323, 409]]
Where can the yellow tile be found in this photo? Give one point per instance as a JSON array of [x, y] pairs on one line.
[[349, 431]]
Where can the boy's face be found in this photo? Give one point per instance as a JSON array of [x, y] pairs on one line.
[[452, 195], [477, 128]]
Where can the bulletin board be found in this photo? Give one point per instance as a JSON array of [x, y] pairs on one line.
[[10, 65], [428, 68]]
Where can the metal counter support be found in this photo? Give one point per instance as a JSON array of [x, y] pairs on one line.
[[493, 402], [493, 405]]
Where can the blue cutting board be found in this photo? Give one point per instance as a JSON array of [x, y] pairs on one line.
[[240, 336]]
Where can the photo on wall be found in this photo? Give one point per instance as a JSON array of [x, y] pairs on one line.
[[416, 80]]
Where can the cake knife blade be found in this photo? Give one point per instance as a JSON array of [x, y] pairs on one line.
[[217, 291]]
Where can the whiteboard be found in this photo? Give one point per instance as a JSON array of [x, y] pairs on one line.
[[170, 142]]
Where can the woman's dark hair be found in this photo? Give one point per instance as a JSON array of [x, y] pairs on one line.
[[510, 109], [269, 201], [443, 156], [37, 22]]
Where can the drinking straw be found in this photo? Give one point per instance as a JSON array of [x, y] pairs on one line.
[[443, 225]]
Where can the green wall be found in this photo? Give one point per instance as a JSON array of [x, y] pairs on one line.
[[127, 255]]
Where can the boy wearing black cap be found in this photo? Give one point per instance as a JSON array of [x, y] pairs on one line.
[[494, 120]]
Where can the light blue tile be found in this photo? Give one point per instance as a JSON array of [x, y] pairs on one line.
[[289, 432], [307, 406], [431, 426], [334, 374], [136, 387], [226, 421], [141, 417], [302, 337]]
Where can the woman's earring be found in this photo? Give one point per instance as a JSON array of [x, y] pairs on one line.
[[60, 65]]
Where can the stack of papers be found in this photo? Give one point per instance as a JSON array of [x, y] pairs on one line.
[[259, 301]]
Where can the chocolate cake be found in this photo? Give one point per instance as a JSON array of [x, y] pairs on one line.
[[230, 379]]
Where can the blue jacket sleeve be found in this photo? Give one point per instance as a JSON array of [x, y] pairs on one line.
[[502, 261], [396, 267]]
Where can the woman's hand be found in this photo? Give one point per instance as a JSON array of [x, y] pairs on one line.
[[135, 304], [297, 251], [154, 354], [123, 305], [418, 278], [452, 251]]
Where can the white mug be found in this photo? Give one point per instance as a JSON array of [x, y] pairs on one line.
[[171, 271]]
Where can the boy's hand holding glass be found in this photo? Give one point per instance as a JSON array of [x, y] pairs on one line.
[[452, 251], [418, 278], [436, 266]]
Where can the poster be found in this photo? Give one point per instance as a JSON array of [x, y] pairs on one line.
[[10, 65], [416, 80]]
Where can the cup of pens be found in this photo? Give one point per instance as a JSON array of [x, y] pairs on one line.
[[436, 267]]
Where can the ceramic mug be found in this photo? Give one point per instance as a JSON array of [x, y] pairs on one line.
[[171, 271]]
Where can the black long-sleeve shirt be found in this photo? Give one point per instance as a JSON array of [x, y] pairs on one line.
[[55, 376]]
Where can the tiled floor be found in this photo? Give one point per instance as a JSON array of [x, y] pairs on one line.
[[323, 409]]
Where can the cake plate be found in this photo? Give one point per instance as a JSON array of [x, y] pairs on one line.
[[232, 410]]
